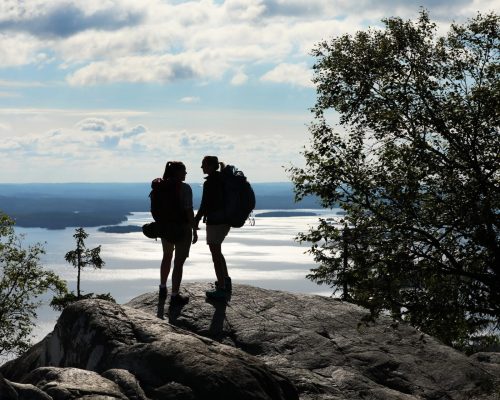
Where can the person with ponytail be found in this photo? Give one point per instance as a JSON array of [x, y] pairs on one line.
[[211, 210], [178, 209]]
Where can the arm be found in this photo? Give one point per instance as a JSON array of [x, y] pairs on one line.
[[203, 205], [192, 223], [188, 209]]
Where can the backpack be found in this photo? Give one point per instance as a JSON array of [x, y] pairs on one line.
[[166, 201], [239, 197], [167, 211]]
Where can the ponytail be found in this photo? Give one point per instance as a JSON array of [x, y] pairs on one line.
[[172, 168]]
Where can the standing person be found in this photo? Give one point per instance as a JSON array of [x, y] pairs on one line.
[[211, 210], [177, 208]]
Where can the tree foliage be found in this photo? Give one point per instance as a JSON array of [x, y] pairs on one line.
[[22, 281], [80, 258], [414, 162]]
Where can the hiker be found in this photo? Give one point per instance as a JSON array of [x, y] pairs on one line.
[[180, 209], [211, 210]]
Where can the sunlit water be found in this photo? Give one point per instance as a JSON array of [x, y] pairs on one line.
[[264, 255]]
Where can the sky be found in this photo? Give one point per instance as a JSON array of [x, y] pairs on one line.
[[109, 90]]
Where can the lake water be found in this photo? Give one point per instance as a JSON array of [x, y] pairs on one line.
[[264, 255]]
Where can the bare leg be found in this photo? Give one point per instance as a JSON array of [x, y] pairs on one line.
[[168, 250], [224, 266], [177, 275], [219, 263]]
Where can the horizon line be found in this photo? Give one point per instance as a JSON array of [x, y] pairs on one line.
[[111, 182]]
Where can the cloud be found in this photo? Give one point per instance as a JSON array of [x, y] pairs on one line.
[[190, 99], [297, 8], [18, 49], [244, 9], [239, 78], [136, 147], [109, 142], [108, 134], [93, 124], [205, 143], [139, 69], [295, 74], [154, 41], [63, 18], [135, 131], [88, 140]]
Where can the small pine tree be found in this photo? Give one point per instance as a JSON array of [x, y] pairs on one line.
[[80, 258]]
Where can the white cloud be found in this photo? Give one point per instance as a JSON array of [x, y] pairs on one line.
[[93, 124], [163, 69], [190, 99], [110, 41], [244, 9], [295, 74], [62, 18], [239, 78], [98, 148], [18, 49], [93, 138]]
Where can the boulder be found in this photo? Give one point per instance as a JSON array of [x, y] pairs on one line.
[[263, 344], [331, 349], [105, 350]]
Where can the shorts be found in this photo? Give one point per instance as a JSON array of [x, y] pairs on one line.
[[182, 247], [217, 233]]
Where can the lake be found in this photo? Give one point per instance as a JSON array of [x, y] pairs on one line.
[[263, 255]]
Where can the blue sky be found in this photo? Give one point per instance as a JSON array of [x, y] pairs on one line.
[[109, 90]]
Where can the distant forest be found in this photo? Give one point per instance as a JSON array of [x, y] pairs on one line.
[[61, 205]]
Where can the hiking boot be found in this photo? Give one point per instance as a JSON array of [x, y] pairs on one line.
[[162, 294], [178, 300], [217, 294], [227, 284]]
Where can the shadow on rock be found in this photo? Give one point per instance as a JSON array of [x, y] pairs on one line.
[[161, 309], [216, 328]]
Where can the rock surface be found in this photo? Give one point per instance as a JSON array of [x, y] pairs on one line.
[[102, 350], [332, 350], [262, 345]]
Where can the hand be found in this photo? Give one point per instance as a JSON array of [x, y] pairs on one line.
[[195, 236]]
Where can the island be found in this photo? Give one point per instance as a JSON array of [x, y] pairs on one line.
[[286, 214], [120, 229]]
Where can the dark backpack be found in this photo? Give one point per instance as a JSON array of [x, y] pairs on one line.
[[166, 203], [167, 211], [239, 198]]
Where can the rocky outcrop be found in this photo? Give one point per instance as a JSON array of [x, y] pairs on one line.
[[333, 350], [102, 350], [261, 345]]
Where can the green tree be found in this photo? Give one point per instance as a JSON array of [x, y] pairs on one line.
[[413, 159], [22, 281], [80, 258]]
